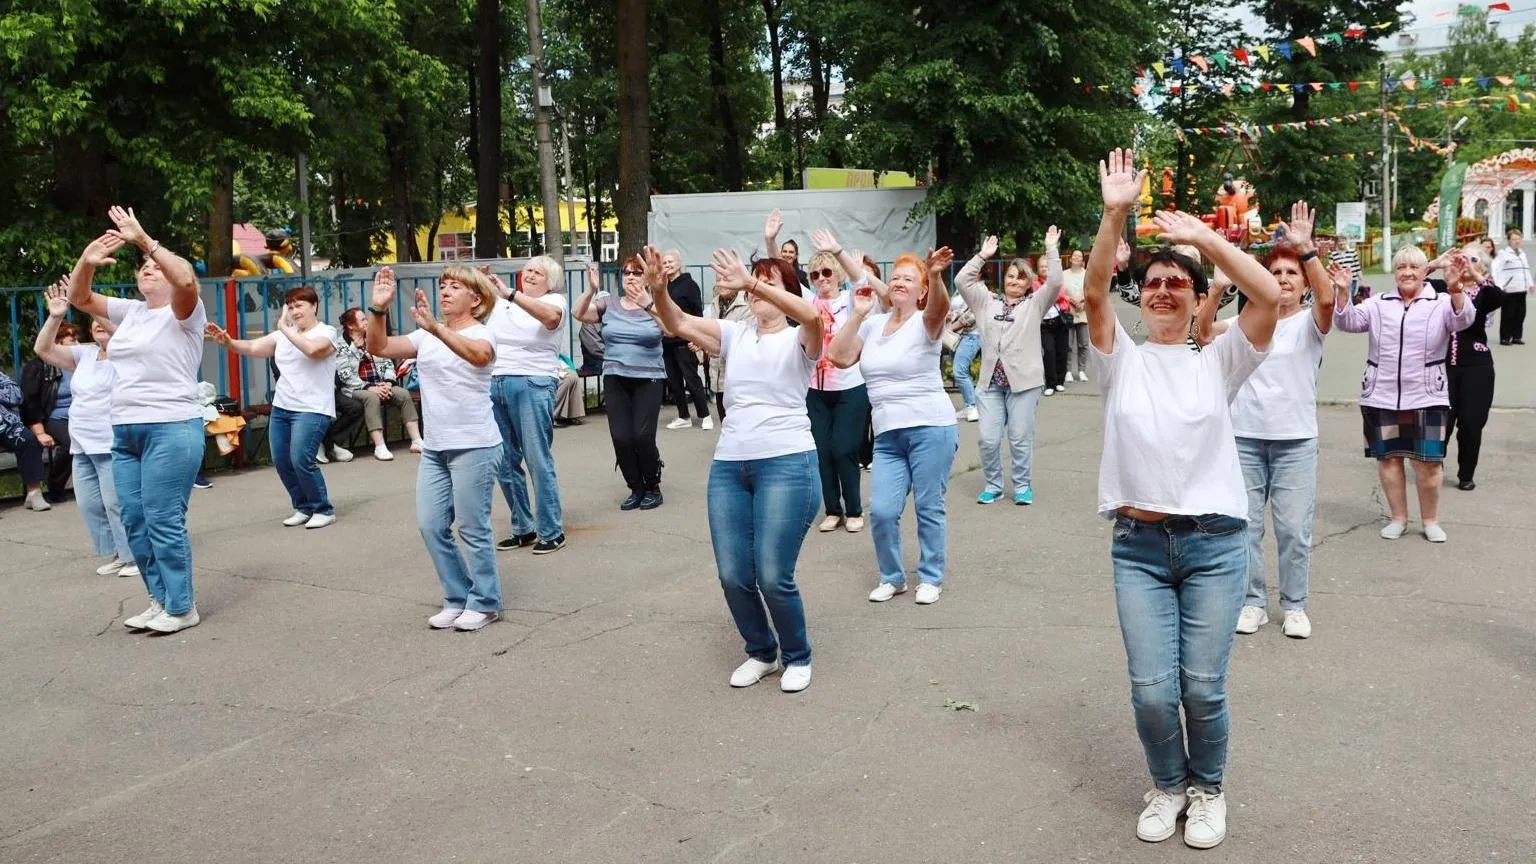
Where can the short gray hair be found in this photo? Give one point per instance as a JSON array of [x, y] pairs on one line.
[[1410, 254], [551, 269]]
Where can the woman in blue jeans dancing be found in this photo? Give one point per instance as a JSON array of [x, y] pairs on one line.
[[157, 423], [1170, 479], [462, 448], [915, 437], [764, 483], [303, 403]]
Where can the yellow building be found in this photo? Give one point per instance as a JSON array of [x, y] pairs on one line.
[[455, 240]]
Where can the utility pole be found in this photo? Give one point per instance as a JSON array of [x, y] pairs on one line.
[[570, 185], [304, 214], [542, 101], [1386, 178]]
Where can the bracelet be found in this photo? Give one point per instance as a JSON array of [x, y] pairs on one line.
[[649, 307], [377, 310], [153, 248], [1308, 256]]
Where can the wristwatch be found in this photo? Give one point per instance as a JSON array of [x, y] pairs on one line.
[[377, 310]]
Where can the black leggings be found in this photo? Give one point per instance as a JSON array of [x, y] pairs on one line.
[[633, 405], [1053, 343], [1511, 317], [60, 463], [683, 379], [1471, 397], [18, 439], [838, 420]]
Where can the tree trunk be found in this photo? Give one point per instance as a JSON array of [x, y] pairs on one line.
[[488, 237], [83, 181], [634, 199], [771, 10], [732, 174], [473, 147], [821, 84], [221, 221], [400, 196]]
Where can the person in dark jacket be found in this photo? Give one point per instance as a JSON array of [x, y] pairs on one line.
[[681, 361], [45, 398], [17, 438], [1469, 362]]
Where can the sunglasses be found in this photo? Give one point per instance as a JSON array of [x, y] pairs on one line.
[[632, 272], [825, 273], [1170, 283]]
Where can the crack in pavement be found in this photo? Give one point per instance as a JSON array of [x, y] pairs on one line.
[[108, 626], [302, 583]]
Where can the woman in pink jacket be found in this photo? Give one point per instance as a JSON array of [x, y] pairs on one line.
[[1404, 395]]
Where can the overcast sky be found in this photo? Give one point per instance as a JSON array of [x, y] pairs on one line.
[[1431, 30]]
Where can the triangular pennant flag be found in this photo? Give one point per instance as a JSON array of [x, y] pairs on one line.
[[1504, 80], [1178, 65], [1447, 82], [1226, 89], [1355, 32], [1246, 88], [1265, 86], [1284, 48], [1308, 43], [1200, 61], [1411, 83], [1522, 80], [1103, 88], [1353, 86], [1175, 89], [1335, 85], [1159, 68], [1498, 7], [1466, 81], [1467, 10], [1222, 59], [1317, 87], [1076, 80], [1389, 84], [1483, 82], [1242, 55], [1298, 87], [1334, 38], [1137, 89], [1263, 51]]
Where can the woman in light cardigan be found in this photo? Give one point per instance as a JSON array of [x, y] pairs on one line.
[[1012, 369], [1077, 333]]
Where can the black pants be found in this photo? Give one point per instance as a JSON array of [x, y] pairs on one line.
[[867, 451], [633, 406], [1054, 343], [59, 463], [1511, 317], [18, 439], [683, 378], [1471, 397], [838, 421], [349, 413]]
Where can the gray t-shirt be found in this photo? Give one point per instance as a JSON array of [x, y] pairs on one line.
[[631, 341]]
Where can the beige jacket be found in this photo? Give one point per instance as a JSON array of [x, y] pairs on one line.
[[737, 310], [1015, 343]]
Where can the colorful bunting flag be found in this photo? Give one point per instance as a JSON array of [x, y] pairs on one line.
[[1307, 43]]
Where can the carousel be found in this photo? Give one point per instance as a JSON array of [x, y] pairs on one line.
[[1499, 191]]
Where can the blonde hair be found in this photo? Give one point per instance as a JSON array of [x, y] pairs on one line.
[[1410, 254], [828, 260], [550, 268], [477, 282]]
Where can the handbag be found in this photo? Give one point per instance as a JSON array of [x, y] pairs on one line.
[[951, 340]]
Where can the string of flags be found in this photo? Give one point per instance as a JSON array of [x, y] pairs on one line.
[[1392, 85], [1512, 102], [1467, 10]]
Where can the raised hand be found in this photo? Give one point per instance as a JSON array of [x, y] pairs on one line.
[[1342, 278], [729, 271], [99, 253], [989, 247], [772, 227], [1119, 181], [1299, 229], [422, 312], [497, 284], [383, 288], [1179, 228], [217, 334], [1122, 254], [863, 301], [939, 260], [285, 320], [128, 227], [822, 240], [655, 274], [639, 295], [594, 279], [1455, 271], [1052, 237], [58, 298], [1220, 281]]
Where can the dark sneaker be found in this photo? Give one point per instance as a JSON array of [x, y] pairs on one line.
[[544, 547], [650, 500], [632, 501], [517, 542]]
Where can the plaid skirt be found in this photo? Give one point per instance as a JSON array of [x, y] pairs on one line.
[[1416, 433]]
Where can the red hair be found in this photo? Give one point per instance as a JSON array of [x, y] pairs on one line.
[[1283, 252], [762, 267], [303, 293], [908, 259]]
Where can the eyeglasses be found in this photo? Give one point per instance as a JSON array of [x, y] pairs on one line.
[[632, 272], [825, 273], [1171, 283]]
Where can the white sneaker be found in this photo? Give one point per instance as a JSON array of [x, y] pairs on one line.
[[472, 620], [321, 457], [165, 622], [418, 445], [1434, 533], [111, 567], [1251, 619], [296, 520], [320, 520], [885, 591], [1297, 625], [680, 423], [36, 501], [1050, 392], [707, 423], [1393, 530], [342, 454], [1206, 824], [1068, 379], [1160, 818], [141, 620], [831, 523], [444, 619], [928, 592], [1083, 377], [130, 571], [753, 671], [382, 454], [972, 415], [796, 678]]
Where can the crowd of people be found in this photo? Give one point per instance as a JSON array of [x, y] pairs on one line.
[[1210, 426]]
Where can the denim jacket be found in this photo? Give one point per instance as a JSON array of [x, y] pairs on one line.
[[1405, 368]]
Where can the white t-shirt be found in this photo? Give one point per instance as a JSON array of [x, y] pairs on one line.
[[1168, 443], [304, 384], [902, 373], [455, 394], [1278, 402], [90, 402], [157, 358], [828, 377], [523, 345], [765, 382]]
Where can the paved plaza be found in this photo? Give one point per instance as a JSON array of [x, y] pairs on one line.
[[314, 717]]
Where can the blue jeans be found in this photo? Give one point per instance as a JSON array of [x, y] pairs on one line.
[[153, 465], [916, 460], [1178, 589], [460, 483], [295, 437], [965, 352], [525, 410], [96, 493], [759, 513], [1282, 474], [1014, 412]]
